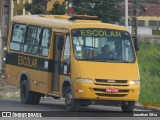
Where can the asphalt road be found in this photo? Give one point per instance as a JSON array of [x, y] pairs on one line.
[[58, 107], [16, 105]]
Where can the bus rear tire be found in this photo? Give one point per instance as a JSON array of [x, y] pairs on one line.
[[127, 106], [71, 103], [27, 96]]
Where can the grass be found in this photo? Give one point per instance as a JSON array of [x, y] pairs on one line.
[[149, 65]]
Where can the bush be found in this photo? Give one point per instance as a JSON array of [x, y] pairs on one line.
[[149, 65]]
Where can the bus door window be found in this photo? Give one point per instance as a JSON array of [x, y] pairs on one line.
[[57, 53], [66, 57]]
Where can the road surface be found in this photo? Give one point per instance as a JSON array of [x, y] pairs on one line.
[[59, 107], [16, 105]]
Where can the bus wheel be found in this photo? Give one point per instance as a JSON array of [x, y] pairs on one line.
[[71, 103], [127, 106], [27, 96]]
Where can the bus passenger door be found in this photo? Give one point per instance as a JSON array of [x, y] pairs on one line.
[[57, 53]]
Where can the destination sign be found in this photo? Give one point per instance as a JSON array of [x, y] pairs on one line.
[[100, 32]]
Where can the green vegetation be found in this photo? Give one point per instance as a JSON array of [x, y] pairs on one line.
[[36, 7], [58, 9], [106, 10], [151, 1], [149, 64], [40, 7], [147, 1]]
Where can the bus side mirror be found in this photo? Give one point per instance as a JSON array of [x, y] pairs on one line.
[[61, 43], [136, 44]]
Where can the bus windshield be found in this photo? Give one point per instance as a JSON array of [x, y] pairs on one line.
[[102, 45]]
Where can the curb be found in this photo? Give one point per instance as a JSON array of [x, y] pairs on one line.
[[155, 109]]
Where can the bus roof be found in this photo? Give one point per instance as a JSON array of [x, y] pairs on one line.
[[64, 22]]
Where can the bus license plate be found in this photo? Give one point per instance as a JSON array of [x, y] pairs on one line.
[[112, 90]]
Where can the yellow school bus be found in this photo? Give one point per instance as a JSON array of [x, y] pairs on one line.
[[78, 58]]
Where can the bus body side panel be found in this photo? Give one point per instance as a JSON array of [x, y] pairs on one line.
[[37, 79], [11, 77]]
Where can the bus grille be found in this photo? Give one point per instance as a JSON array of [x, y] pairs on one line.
[[111, 95], [104, 82], [108, 81]]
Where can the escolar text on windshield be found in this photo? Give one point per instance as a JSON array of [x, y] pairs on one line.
[[100, 33]]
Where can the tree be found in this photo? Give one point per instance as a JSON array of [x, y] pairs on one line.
[[36, 7], [148, 1], [106, 10], [151, 1], [40, 7], [58, 9]]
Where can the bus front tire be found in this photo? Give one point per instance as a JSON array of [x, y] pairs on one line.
[[27, 96], [127, 106], [71, 103]]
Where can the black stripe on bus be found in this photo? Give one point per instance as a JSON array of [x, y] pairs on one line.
[[30, 62]]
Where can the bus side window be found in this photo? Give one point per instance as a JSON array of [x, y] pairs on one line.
[[33, 38], [45, 43], [18, 36]]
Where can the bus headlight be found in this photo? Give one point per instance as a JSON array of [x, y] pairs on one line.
[[85, 80], [136, 82]]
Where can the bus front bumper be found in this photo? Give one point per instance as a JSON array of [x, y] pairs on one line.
[[98, 92]]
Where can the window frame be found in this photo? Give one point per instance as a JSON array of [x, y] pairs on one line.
[[41, 42], [30, 44], [11, 40], [141, 23], [153, 23], [25, 39]]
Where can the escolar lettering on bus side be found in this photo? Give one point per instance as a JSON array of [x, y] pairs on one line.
[[27, 61]]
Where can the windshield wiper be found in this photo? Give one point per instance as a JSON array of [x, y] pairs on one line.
[[109, 59], [96, 59], [122, 60], [106, 59], [89, 59]]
